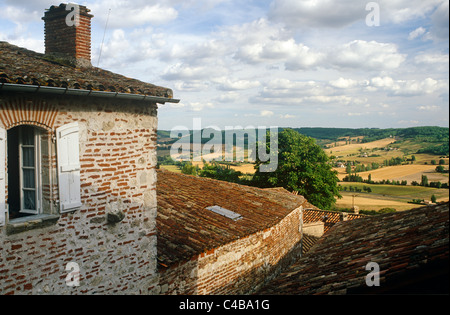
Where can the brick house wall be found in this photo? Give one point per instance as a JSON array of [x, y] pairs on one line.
[[117, 148], [239, 267]]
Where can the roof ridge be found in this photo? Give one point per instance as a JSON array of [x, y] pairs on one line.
[[23, 66]]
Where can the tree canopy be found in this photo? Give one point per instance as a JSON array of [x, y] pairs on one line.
[[302, 166]]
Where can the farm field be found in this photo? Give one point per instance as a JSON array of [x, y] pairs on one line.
[[410, 172], [370, 203], [172, 168], [345, 150], [378, 151], [391, 196]]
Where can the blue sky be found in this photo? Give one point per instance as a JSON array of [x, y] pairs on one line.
[[287, 63]]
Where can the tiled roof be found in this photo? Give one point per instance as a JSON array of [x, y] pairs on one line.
[[308, 242], [186, 228], [26, 67], [409, 247], [329, 218]]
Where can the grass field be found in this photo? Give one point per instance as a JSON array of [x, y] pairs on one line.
[[391, 196], [410, 172], [172, 168], [382, 196], [388, 196], [348, 149]]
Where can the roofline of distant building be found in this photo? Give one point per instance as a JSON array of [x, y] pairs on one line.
[[10, 87]]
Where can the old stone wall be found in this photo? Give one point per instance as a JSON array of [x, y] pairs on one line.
[[239, 267], [118, 160]]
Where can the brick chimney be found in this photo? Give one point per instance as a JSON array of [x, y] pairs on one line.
[[68, 34]]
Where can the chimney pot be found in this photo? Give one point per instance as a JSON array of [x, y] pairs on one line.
[[68, 34]]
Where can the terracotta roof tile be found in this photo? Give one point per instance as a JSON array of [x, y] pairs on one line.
[[330, 218], [186, 228], [23, 66], [408, 246]]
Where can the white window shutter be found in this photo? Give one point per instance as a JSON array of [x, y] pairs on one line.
[[3, 207], [68, 157]]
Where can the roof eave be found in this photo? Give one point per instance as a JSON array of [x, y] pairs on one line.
[[10, 87]]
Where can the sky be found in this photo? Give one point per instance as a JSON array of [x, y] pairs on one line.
[[284, 63]]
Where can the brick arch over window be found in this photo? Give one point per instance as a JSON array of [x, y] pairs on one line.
[[21, 111]]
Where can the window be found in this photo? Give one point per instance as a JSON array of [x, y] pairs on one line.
[[28, 174], [24, 171]]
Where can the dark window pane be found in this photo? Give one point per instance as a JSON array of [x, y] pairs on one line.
[[28, 157], [29, 198], [28, 178]]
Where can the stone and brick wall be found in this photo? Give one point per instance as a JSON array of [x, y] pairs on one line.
[[118, 162], [239, 267]]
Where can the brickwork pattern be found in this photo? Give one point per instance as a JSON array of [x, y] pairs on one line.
[[118, 161], [65, 40], [240, 267]]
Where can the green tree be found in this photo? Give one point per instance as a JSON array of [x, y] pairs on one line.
[[303, 166], [220, 172], [348, 169], [440, 169], [433, 198], [424, 181], [190, 169]]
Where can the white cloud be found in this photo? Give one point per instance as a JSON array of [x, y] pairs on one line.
[[360, 54], [228, 97], [355, 114], [400, 11], [417, 33], [337, 14], [266, 113], [262, 114], [408, 122], [409, 87], [123, 14], [287, 92], [440, 21], [181, 71], [197, 106], [191, 85], [20, 15], [432, 59], [429, 108], [386, 81], [225, 84], [316, 13], [297, 55], [342, 83], [287, 116]]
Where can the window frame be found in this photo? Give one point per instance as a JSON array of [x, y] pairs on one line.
[[37, 172], [66, 137]]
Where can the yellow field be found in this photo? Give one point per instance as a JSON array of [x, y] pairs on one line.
[[408, 172], [354, 147], [245, 168], [369, 203]]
